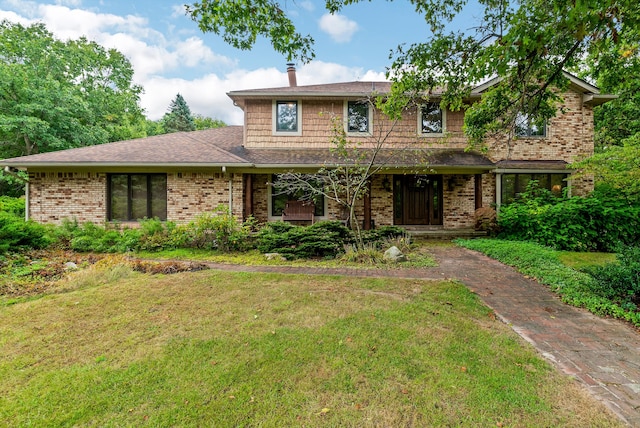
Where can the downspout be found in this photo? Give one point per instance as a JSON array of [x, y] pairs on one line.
[[231, 194], [26, 202], [498, 191]]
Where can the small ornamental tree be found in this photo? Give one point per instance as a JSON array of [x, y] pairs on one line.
[[345, 180]]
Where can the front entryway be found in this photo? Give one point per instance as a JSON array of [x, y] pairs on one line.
[[417, 199]]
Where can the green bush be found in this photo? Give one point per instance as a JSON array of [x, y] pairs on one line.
[[15, 206], [219, 230], [620, 281], [18, 234], [324, 239], [576, 224], [383, 233]]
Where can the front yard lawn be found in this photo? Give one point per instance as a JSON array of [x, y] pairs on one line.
[[115, 347]]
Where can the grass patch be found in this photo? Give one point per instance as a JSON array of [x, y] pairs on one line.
[[544, 265], [579, 261], [273, 350]]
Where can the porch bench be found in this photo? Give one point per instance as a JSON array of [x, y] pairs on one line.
[[298, 211]]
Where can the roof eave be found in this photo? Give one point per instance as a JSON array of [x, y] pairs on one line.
[[27, 165]]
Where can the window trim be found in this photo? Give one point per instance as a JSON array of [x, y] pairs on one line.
[[109, 201], [271, 217], [545, 126], [369, 130], [432, 134], [274, 117]]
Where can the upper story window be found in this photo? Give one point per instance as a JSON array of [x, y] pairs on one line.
[[358, 116], [431, 119], [528, 127], [286, 117]]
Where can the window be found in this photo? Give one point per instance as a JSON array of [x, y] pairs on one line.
[[527, 127], [358, 117], [431, 119], [136, 196], [278, 201], [286, 117], [513, 185]]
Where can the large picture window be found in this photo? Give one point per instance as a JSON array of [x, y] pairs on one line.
[[513, 185], [279, 200], [136, 196]]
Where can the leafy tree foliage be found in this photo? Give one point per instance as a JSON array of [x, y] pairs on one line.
[[178, 118], [204, 122], [616, 168], [56, 95], [525, 44], [615, 71]]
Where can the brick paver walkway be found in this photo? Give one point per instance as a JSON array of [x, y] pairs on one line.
[[603, 354]]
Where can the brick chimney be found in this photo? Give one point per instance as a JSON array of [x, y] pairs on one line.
[[291, 71]]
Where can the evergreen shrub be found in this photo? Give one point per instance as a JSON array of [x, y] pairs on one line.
[[324, 239]]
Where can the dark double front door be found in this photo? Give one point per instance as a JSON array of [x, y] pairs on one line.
[[417, 199]]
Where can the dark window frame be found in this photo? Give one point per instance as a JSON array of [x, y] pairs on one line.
[[149, 197], [434, 106], [521, 180], [352, 124]]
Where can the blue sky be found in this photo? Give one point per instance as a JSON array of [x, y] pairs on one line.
[[170, 54]]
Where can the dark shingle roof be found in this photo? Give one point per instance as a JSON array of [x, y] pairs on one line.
[[180, 148], [223, 147]]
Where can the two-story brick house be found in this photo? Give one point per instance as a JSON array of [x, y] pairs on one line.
[[428, 179]]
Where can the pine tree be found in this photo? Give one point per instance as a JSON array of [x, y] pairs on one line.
[[179, 117]]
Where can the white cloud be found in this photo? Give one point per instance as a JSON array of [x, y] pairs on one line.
[[157, 58], [340, 28], [73, 3], [149, 51], [208, 94], [179, 10]]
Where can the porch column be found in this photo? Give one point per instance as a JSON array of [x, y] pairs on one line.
[[367, 207], [248, 195], [478, 190]]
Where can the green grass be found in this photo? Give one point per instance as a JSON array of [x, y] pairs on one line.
[[118, 348], [579, 261]]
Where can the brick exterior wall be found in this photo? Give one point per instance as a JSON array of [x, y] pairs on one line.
[[82, 195], [192, 193], [54, 196]]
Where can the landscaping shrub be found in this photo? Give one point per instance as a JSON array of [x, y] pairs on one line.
[[219, 230], [324, 239], [383, 233], [620, 281], [576, 224], [15, 206], [486, 220], [151, 235], [18, 234]]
